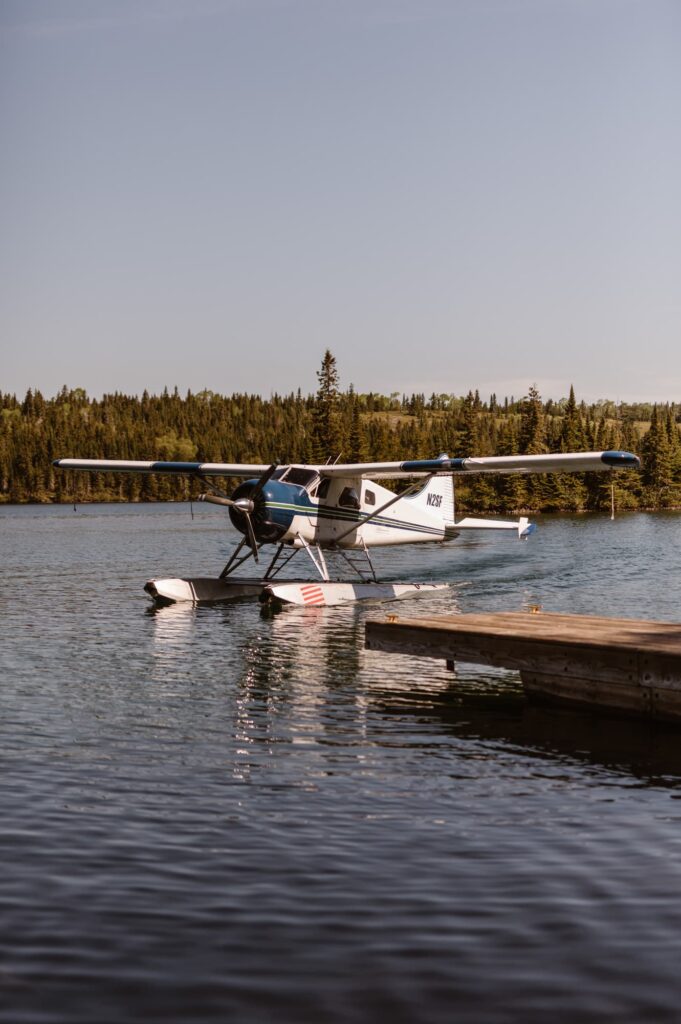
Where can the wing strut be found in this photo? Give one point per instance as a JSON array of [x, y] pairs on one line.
[[318, 562], [233, 564]]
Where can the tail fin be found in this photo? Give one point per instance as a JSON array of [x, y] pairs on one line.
[[437, 497]]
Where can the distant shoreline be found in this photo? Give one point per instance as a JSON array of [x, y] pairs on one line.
[[297, 429]]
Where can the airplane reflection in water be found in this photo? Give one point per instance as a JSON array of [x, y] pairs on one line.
[[306, 682]]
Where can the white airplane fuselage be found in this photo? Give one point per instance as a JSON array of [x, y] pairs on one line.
[[324, 512]]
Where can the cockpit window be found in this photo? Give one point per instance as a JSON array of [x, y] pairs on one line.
[[369, 497], [323, 488], [302, 477], [296, 475]]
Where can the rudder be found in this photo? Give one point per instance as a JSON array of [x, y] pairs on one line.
[[437, 497]]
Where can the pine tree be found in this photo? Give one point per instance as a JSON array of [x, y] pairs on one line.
[[532, 442], [325, 425], [572, 431], [657, 460], [569, 491], [468, 437], [357, 448], [531, 438], [510, 487]]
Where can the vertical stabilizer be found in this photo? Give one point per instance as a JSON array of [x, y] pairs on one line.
[[437, 497]]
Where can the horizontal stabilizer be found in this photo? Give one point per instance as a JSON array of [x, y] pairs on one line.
[[523, 526]]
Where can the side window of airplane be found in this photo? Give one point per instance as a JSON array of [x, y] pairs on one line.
[[349, 498], [369, 497], [323, 488]]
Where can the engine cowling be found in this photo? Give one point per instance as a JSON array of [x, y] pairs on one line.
[[269, 524]]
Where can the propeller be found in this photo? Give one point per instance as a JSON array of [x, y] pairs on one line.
[[264, 479], [246, 506]]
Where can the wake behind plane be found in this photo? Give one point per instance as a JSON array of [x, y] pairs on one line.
[[340, 508]]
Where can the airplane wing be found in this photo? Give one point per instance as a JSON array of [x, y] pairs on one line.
[[126, 466], [568, 462]]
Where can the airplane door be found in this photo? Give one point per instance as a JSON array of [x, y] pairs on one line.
[[318, 523]]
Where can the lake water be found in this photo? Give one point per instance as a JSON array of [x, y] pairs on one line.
[[207, 815]]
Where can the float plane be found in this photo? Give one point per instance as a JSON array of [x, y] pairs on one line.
[[341, 508]]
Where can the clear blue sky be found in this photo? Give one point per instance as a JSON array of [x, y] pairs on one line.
[[448, 195]]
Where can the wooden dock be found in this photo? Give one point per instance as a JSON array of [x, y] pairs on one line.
[[623, 665]]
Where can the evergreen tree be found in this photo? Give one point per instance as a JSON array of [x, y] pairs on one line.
[[532, 442], [569, 491], [572, 432], [357, 446], [531, 437], [326, 441], [657, 460], [468, 437], [510, 487]]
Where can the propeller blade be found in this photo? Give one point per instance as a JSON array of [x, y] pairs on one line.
[[244, 505], [215, 499], [263, 480], [251, 537]]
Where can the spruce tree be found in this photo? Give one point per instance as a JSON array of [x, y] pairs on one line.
[[657, 460], [572, 430], [357, 448], [532, 442], [326, 439], [569, 491], [531, 439]]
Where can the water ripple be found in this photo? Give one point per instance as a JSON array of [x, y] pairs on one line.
[[209, 815]]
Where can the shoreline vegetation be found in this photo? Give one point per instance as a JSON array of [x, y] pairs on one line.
[[210, 427]]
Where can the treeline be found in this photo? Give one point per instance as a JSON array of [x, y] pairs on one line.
[[360, 427]]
